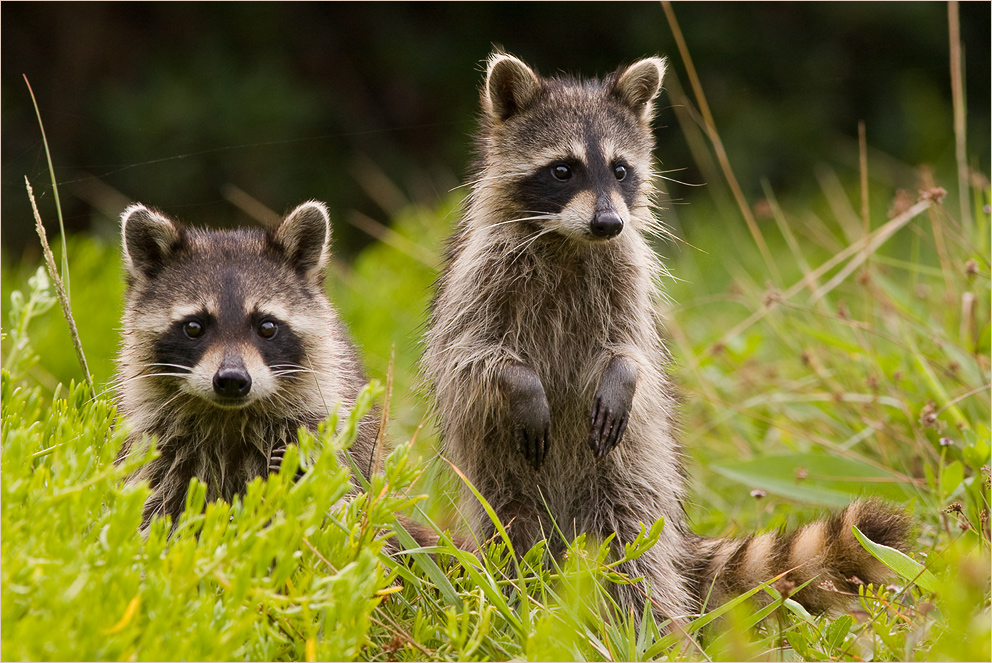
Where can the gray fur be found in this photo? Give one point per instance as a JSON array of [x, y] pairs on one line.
[[544, 349], [172, 269]]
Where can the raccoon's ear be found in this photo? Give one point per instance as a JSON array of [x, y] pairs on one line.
[[510, 86], [147, 238], [639, 84], [305, 237]]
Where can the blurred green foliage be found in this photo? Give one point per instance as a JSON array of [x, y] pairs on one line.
[[182, 105]]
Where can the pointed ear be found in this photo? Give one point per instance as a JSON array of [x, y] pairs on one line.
[[148, 238], [510, 87], [639, 84], [305, 237]]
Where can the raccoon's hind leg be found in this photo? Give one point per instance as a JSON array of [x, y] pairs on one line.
[[529, 411], [611, 406], [664, 583]]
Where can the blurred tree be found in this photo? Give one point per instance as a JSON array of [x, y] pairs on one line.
[[187, 106]]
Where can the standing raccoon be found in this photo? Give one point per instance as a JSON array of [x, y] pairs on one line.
[[548, 365], [230, 346]]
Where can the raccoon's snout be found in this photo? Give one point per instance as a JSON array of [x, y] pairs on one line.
[[606, 224], [232, 380]]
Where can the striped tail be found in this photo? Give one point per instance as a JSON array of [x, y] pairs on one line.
[[825, 551]]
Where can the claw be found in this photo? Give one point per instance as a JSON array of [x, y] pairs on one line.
[[530, 412], [611, 406], [276, 458]]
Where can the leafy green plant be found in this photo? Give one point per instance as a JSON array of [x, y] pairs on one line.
[[291, 570], [786, 408]]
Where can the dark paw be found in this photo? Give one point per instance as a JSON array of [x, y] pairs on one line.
[[611, 406], [607, 427], [276, 458], [532, 432], [529, 411]]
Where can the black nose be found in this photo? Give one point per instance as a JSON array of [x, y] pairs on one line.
[[606, 224], [232, 383]]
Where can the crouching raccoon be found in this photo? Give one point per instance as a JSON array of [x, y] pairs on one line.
[[229, 347]]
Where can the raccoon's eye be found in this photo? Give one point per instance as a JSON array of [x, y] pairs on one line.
[[193, 329], [620, 172], [267, 329], [561, 172]]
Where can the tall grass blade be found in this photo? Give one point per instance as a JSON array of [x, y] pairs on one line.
[[721, 153], [863, 168], [869, 244], [783, 227], [522, 623], [60, 290], [55, 189], [878, 237], [428, 565], [957, 99]]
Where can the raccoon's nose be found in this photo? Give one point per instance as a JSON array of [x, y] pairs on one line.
[[606, 224], [232, 382]]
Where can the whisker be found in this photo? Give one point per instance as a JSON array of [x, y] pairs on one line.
[[169, 402], [494, 178], [291, 367], [111, 389], [671, 179], [528, 241], [540, 217], [156, 375]]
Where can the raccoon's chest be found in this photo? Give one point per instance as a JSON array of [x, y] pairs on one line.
[[231, 468], [562, 320], [227, 450]]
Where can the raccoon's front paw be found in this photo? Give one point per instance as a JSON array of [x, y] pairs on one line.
[[532, 429], [611, 406], [529, 411], [276, 458]]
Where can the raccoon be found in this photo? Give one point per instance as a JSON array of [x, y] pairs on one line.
[[547, 361], [229, 347]]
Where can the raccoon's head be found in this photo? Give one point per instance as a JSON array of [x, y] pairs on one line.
[[573, 156], [224, 317]]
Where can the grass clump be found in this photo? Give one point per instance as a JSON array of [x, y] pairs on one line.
[[290, 571], [876, 383], [880, 387]]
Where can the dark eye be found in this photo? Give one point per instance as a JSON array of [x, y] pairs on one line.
[[561, 172], [620, 172], [193, 329], [267, 329]]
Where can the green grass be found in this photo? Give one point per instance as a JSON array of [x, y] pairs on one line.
[[879, 387]]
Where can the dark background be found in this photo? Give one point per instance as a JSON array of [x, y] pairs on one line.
[[185, 106]]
